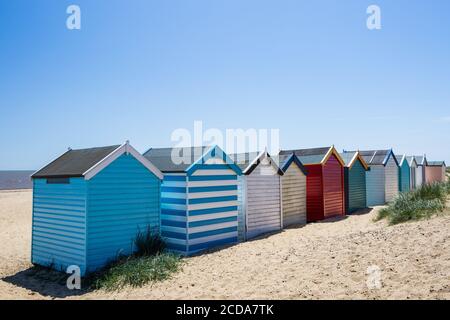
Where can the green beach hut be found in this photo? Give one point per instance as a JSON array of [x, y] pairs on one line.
[[404, 173], [354, 181]]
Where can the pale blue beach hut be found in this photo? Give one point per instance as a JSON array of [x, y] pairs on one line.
[[89, 205], [382, 178]]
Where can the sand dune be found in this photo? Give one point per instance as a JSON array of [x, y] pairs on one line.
[[327, 260]]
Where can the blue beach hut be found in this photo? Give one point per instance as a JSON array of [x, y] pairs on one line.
[[199, 201], [382, 178], [89, 205]]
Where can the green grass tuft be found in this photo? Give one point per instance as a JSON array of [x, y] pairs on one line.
[[149, 263], [136, 271], [149, 243], [416, 204]]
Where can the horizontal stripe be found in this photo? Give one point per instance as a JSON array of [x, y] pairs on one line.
[[216, 226], [173, 235], [212, 205], [210, 216], [212, 238], [212, 189], [181, 213], [194, 224], [212, 210], [173, 206], [212, 199], [212, 183], [178, 184], [174, 189], [210, 166], [174, 218], [177, 248], [173, 195], [203, 246], [215, 177], [174, 178], [225, 171], [173, 229], [171, 223], [181, 242], [173, 200], [211, 233], [199, 195]]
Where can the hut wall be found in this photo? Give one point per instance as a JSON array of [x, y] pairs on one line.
[[293, 184]]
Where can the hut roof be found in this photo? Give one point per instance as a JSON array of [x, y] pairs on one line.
[[401, 159], [74, 163], [378, 157], [175, 159], [248, 161], [183, 159], [88, 162], [314, 155], [350, 157], [411, 160], [421, 160], [436, 163], [285, 160]]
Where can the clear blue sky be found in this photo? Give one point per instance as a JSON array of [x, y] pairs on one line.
[[138, 70]]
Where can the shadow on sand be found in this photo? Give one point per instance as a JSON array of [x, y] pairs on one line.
[[46, 282], [340, 218]]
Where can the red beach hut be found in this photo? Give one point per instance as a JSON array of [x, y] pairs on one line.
[[324, 183]]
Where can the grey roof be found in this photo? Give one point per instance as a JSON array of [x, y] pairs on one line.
[[243, 160], [421, 160], [282, 158], [375, 157], [162, 157], [436, 163], [347, 156], [410, 160], [74, 163], [401, 158], [308, 156]]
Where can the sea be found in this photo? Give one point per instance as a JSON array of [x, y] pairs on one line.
[[15, 179]]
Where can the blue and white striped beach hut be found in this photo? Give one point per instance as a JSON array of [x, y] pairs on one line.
[[199, 197], [89, 205]]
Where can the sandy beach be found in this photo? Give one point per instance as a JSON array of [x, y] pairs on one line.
[[327, 260]]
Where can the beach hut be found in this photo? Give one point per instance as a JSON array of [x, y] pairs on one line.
[[354, 181], [293, 189], [89, 205], [324, 182], [382, 178], [199, 205], [413, 167], [420, 171], [435, 171], [260, 194], [404, 173]]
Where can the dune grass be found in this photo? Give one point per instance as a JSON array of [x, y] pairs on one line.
[[150, 263], [416, 204], [136, 271]]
